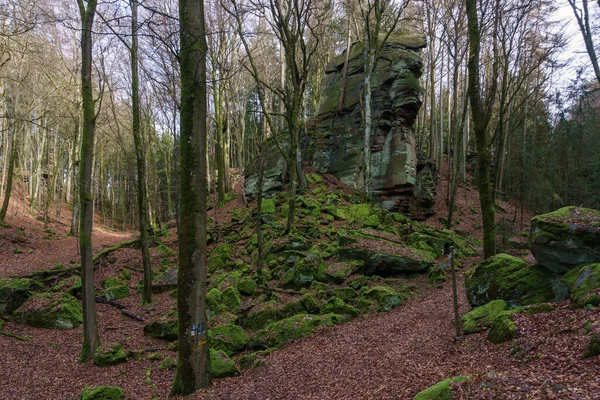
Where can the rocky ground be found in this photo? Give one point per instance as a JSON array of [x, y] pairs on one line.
[[378, 355]]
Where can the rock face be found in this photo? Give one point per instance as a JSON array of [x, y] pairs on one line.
[[400, 182], [566, 238]]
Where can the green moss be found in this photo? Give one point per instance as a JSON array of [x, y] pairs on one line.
[[214, 299], [220, 258], [14, 292], [268, 206], [221, 366], [385, 298], [593, 347], [102, 393], [340, 271], [502, 330], [436, 275], [50, 311], [584, 284], [336, 305], [246, 286], [358, 282], [441, 390], [116, 292], [228, 338], [168, 363], [165, 327], [111, 355], [541, 308], [231, 299], [299, 326], [261, 317], [482, 317], [344, 293], [310, 303], [292, 308], [511, 279]]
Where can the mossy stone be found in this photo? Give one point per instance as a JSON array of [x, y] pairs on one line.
[[310, 303], [168, 363], [221, 366], [482, 317], [111, 282], [116, 292], [437, 275], [385, 297], [511, 279], [584, 284], [261, 317], [358, 282], [268, 206], [593, 347], [541, 308], [111, 355], [220, 258], [339, 272], [344, 293], [292, 308], [335, 305], [299, 326], [246, 286], [502, 330], [102, 393], [231, 299], [50, 311], [13, 293], [441, 390], [214, 300], [165, 327], [229, 338]]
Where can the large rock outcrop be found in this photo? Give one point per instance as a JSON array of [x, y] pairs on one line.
[[400, 181], [566, 238]]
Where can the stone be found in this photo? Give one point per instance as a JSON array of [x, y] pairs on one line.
[[108, 356], [584, 285], [502, 330], [384, 298], [221, 366], [228, 338], [102, 393], [116, 292], [50, 311], [231, 299], [482, 317], [384, 264], [337, 306], [168, 363], [274, 170], [512, 280], [246, 286], [566, 238], [262, 315], [165, 327], [441, 390], [167, 282], [593, 347], [14, 292]]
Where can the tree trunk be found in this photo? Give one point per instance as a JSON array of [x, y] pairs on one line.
[[481, 118], [369, 56], [9, 177], [91, 339], [193, 366]]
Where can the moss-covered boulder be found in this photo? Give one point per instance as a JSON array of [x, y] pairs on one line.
[[214, 300], [503, 329], [344, 293], [335, 305], [310, 303], [593, 347], [116, 292], [228, 338], [584, 284], [14, 292], [165, 327], [106, 356], [231, 299], [429, 239], [404, 261], [441, 390], [512, 280], [103, 393], [220, 258], [566, 238], [381, 298], [50, 311], [299, 326], [246, 286], [262, 315], [221, 366], [304, 272], [482, 317], [340, 271]]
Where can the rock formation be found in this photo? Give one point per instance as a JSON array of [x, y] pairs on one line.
[[401, 181]]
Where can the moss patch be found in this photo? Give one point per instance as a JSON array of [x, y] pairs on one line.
[[221, 366], [482, 317], [441, 390], [50, 311], [111, 355], [228, 338], [584, 284], [102, 393], [503, 330]]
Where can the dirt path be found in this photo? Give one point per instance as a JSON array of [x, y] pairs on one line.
[[387, 355]]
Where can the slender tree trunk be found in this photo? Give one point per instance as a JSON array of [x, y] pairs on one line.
[[91, 339], [9, 178], [193, 366]]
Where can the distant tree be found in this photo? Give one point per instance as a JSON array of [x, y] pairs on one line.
[[193, 366], [582, 15]]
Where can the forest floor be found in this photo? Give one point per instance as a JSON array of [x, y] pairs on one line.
[[391, 355]]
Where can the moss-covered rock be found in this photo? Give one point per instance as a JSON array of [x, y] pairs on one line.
[[14, 292], [116, 292], [384, 298], [214, 300], [292, 308], [221, 366], [305, 272], [407, 261], [102, 393], [228, 338], [299, 326], [441, 390], [50, 311], [593, 347], [344, 293], [310, 303], [231, 299], [340, 271], [335, 305], [482, 317], [168, 363], [566, 238], [111, 355], [164, 327], [437, 275], [541, 308], [268, 206], [246, 286], [429, 239], [220, 258], [358, 282], [584, 284], [511, 279], [502, 330], [261, 316]]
